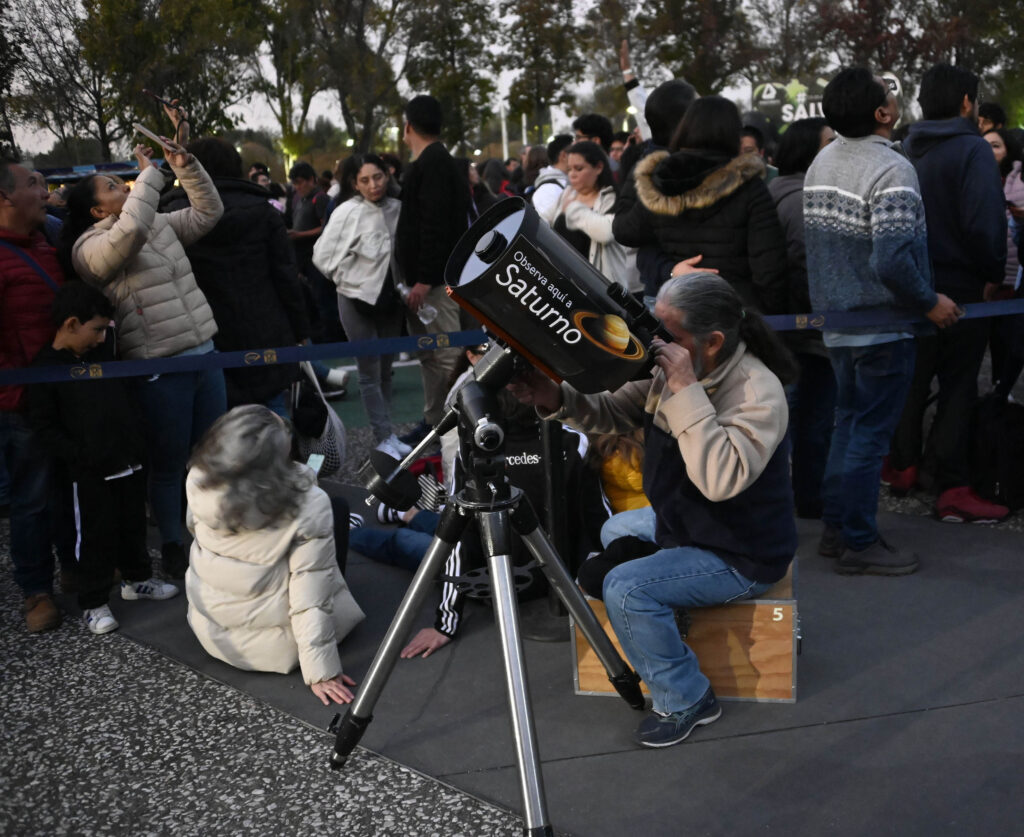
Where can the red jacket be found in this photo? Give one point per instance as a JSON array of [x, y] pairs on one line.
[[25, 303]]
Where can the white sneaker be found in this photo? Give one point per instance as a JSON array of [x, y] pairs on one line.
[[389, 447], [154, 588], [397, 444], [100, 620], [337, 379]]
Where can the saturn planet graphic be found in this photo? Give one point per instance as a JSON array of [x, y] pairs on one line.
[[609, 332]]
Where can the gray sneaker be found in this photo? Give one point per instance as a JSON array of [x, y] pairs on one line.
[[880, 558], [658, 730], [831, 544]]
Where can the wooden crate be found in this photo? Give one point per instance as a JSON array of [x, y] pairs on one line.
[[746, 649]]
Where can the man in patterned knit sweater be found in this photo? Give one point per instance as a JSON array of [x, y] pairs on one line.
[[867, 250]]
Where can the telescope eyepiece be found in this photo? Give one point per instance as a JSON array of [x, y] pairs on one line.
[[491, 245]]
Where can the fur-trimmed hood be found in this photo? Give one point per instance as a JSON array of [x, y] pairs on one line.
[[670, 184]]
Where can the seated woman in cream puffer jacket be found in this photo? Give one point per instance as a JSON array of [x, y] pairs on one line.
[[264, 589]]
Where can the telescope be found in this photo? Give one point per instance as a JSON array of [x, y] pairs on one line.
[[528, 286], [550, 309]]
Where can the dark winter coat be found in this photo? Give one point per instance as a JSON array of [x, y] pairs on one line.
[[701, 203], [246, 268], [25, 303], [435, 213], [964, 205], [788, 193], [92, 425]]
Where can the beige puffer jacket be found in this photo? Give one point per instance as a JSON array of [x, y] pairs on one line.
[[268, 599], [138, 260]]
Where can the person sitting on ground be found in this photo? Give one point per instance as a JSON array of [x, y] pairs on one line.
[[95, 430], [584, 512], [716, 469], [264, 589]]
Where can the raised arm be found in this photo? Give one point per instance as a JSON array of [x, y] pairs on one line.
[[205, 210], [102, 251]]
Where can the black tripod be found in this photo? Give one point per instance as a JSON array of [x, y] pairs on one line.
[[497, 507]]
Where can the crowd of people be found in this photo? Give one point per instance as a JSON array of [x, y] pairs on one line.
[[698, 470]]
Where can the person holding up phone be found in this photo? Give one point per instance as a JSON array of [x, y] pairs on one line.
[[115, 240]]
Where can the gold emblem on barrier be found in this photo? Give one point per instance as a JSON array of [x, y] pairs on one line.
[[818, 321], [95, 370], [251, 358], [442, 341], [425, 342], [78, 371], [801, 321], [270, 356]]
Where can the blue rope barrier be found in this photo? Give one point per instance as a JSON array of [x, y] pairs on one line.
[[430, 342], [233, 360]]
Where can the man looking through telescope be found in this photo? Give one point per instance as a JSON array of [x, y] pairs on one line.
[[716, 470]]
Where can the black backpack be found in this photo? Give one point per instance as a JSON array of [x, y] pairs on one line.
[[997, 451], [542, 181]]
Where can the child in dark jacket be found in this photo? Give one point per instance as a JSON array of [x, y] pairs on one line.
[[95, 430]]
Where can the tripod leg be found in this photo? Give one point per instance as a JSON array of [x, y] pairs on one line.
[[496, 534], [622, 677], [360, 713]]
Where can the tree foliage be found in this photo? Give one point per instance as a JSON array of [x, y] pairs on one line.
[[542, 41], [77, 68], [364, 48], [708, 42], [449, 60], [787, 40], [286, 71], [11, 56]]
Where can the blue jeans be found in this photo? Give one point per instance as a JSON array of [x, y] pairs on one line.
[[403, 547], [812, 415], [872, 384], [640, 597], [636, 522], [179, 408], [29, 471]]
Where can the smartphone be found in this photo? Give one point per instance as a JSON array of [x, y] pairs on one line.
[[166, 145], [160, 99], [316, 462]]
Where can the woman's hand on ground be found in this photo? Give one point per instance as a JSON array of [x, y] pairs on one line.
[[425, 643], [334, 689]]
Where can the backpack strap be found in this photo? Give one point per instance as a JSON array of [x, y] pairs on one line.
[[20, 251]]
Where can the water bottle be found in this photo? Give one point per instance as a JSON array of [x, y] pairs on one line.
[[427, 312]]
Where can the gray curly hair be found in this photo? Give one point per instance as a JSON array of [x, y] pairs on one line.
[[247, 450]]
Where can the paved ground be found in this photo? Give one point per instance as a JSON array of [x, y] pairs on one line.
[[908, 721]]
